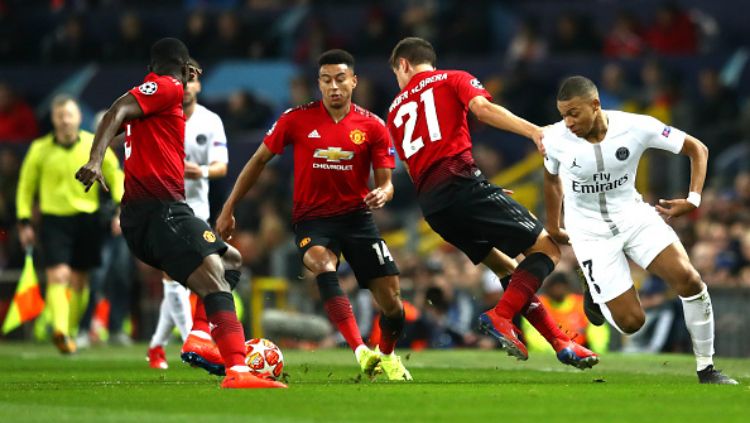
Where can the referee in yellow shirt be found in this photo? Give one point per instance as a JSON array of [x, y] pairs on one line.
[[71, 232]]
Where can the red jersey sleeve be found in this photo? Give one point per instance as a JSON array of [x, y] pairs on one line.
[[157, 95], [382, 148], [467, 86], [276, 137]]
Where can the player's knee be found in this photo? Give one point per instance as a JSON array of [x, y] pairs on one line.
[[208, 278], [60, 273], [547, 246], [632, 323], [320, 260], [687, 281], [232, 258]]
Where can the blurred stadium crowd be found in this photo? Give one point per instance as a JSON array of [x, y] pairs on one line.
[[683, 62]]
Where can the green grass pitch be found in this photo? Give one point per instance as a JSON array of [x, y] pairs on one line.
[[116, 385]]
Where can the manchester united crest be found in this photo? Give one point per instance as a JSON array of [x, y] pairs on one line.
[[209, 236], [357, 136]]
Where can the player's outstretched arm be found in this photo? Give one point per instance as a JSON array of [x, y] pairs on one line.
[[249, 175], [698, 154], [213, 170], [502, 118], [124, 109], [553, 196], [383, 191]]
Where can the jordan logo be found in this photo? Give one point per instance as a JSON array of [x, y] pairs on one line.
[[313, 134], [574, 165]]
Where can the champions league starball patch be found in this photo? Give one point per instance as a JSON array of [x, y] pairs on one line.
[[476, 84], [148, 88], [622, 153]]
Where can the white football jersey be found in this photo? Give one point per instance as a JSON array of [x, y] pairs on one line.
[[599, 179], [205, 143]]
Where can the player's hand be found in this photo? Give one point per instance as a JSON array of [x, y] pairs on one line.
[[193, 171], [225, 225], [508, 191], [674, 208], [560, 236], [26, 235], [375, 199], [91, 172]]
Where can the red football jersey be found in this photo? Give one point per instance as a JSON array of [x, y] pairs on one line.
[[332, 160], [427, 121], [155, 143]]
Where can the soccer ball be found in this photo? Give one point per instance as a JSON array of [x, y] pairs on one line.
[[264, 358]]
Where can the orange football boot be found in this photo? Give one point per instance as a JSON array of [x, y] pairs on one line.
[[247, 380]]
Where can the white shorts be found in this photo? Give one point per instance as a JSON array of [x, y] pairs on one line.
[[604, 259]]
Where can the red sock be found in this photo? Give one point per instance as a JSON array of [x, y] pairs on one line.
[[229, 337], [200, 320], [340, 313], [391, 329], [523, 286], [537, 315]]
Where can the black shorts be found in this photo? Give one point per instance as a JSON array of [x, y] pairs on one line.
[[169, 237], [356, 236], [73, 240], [483, 217]]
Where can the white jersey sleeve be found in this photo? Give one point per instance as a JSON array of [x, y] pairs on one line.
[[655, 134], [551, 159]]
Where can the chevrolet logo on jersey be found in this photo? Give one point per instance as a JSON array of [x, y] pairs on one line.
[[333, 154]]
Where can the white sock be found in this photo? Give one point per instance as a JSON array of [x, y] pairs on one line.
[[699, 318], [164, 325], [358, 351], [178, 304]]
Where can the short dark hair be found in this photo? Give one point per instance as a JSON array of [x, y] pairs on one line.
[[576, 86], [195, 67], [414, 49], [194, 63], [336, 57], [169, 53]]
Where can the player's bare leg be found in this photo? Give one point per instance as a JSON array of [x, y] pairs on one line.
[[568, 351], [625, 312], [58, 281], [208, 282], [322, 262], [673, 266], [387, 294], [526, 279]]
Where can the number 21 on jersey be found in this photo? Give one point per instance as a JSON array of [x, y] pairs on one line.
[[410, 111]]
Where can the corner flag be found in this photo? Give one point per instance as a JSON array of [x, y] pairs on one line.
[[27, 301]]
